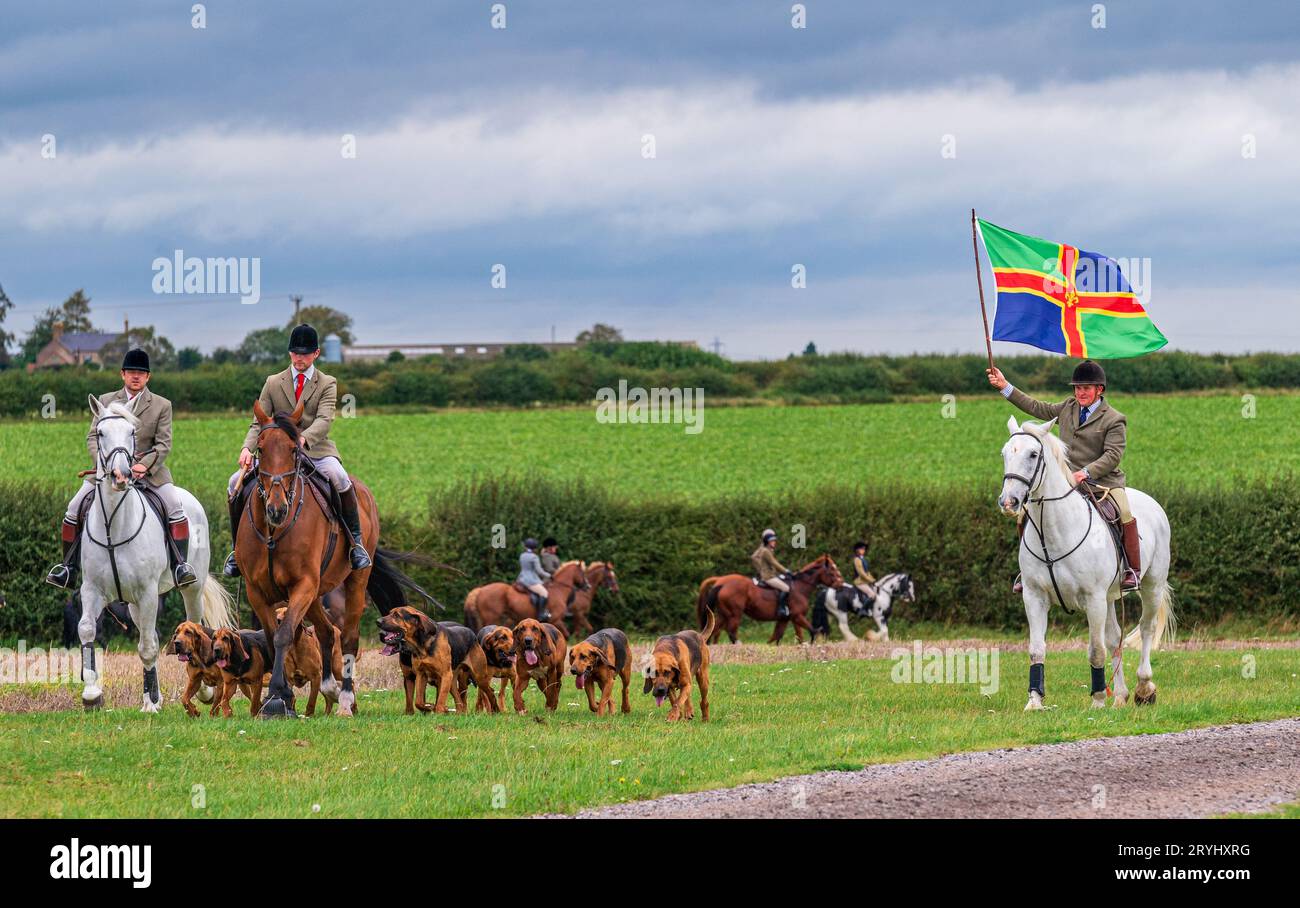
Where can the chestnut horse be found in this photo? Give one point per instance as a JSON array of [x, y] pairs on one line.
[[501, 603], [296, 553], [732, 595], [600, 574]]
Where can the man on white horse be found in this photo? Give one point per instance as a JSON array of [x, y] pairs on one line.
[[153, 438], [1094, 434]]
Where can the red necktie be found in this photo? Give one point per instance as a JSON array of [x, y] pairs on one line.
[[297, 392]]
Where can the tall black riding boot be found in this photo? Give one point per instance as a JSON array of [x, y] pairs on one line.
[[782, 604], [64, 574], [236, 508], [359, 556], [183, 574]]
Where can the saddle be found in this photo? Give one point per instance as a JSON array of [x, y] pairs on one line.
[[155, 504], [1106, 509], [535, 599]]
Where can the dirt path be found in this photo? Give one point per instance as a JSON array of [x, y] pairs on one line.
[[1199, 773]]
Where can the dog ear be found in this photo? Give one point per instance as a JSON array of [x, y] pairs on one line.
[[205, 648], [601, 657], [237, 647], [545, 647], [649, 682]]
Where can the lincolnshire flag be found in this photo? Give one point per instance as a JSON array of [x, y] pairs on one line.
[[1060, 298]]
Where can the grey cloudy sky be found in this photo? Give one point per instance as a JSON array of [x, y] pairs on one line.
[[774, 146]]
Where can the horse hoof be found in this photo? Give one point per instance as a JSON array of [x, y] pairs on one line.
[[275, 708], [1099, 702], [1144, 697], [94, 705], [1120, 700], [1035, 703]]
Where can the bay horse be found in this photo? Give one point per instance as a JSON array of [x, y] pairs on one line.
[[1067, 556], [296, 552], [730, 596], [501, 603], [600, 574]]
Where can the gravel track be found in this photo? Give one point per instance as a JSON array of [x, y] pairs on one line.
[[1199, 773]]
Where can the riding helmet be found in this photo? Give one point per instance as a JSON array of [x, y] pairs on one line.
[[530, 543], [860, 544], [769, 534], [136, 359], [1088, 373], [304, 340], [548, 542]]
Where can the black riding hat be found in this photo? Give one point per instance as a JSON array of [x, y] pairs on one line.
[[304, 340], [548, 542], [1088, 373], [530, 543], [136, 359], [860, 544]]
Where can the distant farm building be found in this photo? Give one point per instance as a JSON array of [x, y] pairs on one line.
[[77, 349]]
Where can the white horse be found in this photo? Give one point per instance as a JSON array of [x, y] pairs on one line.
[[849, 600], [124, 558], [1067, 552]]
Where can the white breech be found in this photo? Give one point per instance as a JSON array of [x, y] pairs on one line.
[[539, 589], [330, 467], [777, 583]]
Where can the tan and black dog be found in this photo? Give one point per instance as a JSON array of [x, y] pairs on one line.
[[303, 666], [245, 658], [192, 644], [443, 653], [541, 648], [674, 661], [601, 658], [498, 643]]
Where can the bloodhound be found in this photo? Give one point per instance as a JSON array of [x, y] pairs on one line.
[[601, 658], [675, 659], [303, 666], [245, 658], [192, 644], [443, 653], [542, 647], [498, 643]]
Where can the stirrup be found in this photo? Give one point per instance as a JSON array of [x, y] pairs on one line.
[[231, 567], [60, 576], [359, 557], [184, 575], [1132, 581]]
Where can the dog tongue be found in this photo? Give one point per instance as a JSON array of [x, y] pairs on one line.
[[183, 657], [581, 680], [659, 699], [222, 663], [530, 656], [388, 649]]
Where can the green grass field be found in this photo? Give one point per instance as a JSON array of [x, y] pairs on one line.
[[1188, 441], [769, 721]]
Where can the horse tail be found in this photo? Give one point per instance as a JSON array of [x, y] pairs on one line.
[[707, 587], [1166, 620], [217, 603], [472, 619], [709, 628], [387, 584]]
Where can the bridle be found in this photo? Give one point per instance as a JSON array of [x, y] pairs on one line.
[[1032, 484], [106, 473], [295, 494]]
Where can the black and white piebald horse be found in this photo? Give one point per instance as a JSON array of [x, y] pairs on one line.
[[849, 600]]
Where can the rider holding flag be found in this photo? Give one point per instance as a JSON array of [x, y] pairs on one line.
[[1094, 434]]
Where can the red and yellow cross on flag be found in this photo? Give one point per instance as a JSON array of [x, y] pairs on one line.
[[1060, 298]]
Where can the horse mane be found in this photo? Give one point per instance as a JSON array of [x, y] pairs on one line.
[[1057, 450], [117, 408], [286, 425]]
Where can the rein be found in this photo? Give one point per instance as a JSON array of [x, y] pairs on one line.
[[1032, 484], [132, 486], [295, 495]]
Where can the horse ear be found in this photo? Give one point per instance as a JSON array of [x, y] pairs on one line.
[[296, 415], [95, 406], [262, 418], [1047, 426], [1012, 426]]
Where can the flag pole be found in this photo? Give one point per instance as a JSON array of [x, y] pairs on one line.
[[979, 279]]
